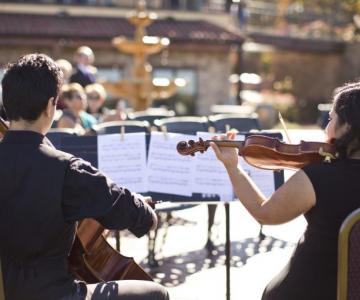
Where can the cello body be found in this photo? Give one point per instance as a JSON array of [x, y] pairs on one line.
[[94, 260]]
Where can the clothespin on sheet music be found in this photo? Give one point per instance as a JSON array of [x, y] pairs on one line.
[[284, 126], [122, 133], [165, 132], [227, 128]]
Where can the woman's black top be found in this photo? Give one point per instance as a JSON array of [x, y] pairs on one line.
[[311, 273], [43, 192]]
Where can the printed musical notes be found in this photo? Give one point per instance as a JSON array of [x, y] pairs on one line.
[[124, 160], [165, 171], [168, 172], [210, 176]]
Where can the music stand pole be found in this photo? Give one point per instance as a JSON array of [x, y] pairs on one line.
[[227, 249]]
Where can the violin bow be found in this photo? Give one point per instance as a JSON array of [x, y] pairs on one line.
[[3, 126], [284, 127]]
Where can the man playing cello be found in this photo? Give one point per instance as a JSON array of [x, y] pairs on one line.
[[44, 192]]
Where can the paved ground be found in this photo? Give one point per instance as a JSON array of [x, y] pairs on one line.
[[191, 272]]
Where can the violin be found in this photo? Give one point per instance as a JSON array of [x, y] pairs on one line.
[[92, 258], [268, 153]]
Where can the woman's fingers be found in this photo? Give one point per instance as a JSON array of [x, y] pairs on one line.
[[231, 134], [216, 149]]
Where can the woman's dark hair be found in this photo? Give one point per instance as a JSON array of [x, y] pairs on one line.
[[347, 107], [28, 84]]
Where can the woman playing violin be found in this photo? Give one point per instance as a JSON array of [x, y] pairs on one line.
[[323, 192]]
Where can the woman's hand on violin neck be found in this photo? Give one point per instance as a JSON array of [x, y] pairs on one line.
[[227, 155]]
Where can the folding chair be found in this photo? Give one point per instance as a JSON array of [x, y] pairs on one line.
[[151, 115], [115, 127], [185, 125], [348, 277], [237, 121], [56, 134]]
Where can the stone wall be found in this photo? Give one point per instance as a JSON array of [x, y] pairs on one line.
[[351, 63], [213, 67], [315, 75], [213, 70]]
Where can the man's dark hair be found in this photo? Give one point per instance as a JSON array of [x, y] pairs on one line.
[[28, 84]]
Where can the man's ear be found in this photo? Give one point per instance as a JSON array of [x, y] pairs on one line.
[[50, 106]]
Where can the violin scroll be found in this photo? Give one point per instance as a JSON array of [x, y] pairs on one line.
[[191, 147]]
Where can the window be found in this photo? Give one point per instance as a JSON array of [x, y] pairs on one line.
[[182, 102], [110, 74]]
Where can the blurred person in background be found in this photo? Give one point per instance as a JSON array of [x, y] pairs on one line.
[[75, 116], [117, 114], [96, 96], [85, 72], [66, 68]]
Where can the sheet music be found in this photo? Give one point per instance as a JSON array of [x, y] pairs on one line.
[[168, 171], [210, 175], [264, 179], [124, 161]]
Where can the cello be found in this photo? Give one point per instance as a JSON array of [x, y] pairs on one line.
[[92, 258]]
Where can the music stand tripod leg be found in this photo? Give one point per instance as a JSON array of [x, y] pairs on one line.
[[227, 249]]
